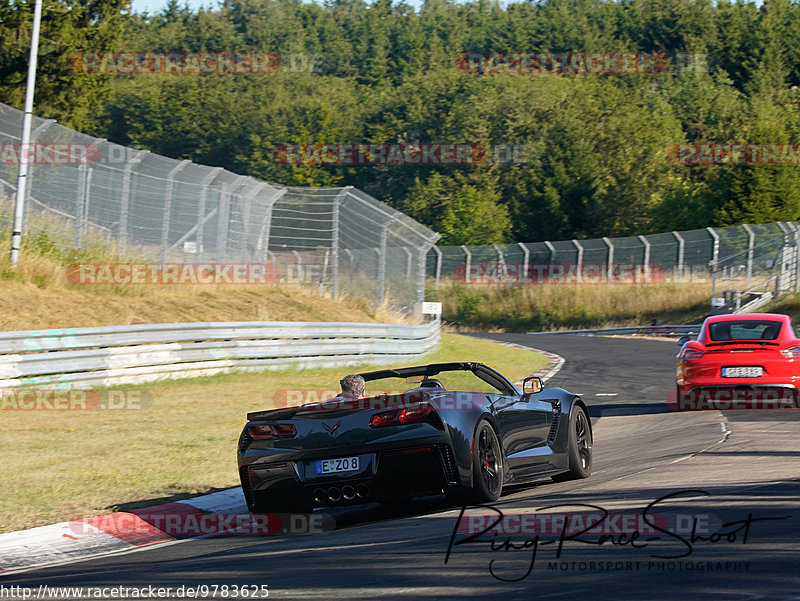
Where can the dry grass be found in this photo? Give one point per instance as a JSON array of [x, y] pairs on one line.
[[59, 464], [37, 295], [557, 307]]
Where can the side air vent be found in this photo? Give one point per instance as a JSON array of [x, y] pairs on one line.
[[449, 463], [556, 420]]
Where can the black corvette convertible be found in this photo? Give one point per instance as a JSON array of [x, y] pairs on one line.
[[461, 429]]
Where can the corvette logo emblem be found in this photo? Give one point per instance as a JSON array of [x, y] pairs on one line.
[[332, 429]]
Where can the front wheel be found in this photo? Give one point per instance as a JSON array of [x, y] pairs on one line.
[[487, 465], [580, 446]]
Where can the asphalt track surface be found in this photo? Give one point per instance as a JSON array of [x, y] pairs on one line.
[[735, 476]]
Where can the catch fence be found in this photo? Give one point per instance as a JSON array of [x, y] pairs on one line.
[[744, 252], [83, 189]]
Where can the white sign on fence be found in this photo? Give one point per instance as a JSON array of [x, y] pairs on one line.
[[431, 308]]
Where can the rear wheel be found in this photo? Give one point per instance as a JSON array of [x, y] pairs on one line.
[[580, 446], [487, 465]]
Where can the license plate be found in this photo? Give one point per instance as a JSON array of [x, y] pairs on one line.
[[742, 372], [333, 466]]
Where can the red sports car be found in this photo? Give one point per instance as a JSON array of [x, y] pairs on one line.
[[740, 362]]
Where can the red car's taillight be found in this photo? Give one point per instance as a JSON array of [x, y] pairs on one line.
[[692, 353], [792, 352], [267, 432]]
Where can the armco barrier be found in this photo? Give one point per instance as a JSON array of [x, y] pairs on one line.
[[105, 356], [689, 330]]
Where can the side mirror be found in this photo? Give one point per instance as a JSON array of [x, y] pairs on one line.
[[684, 340], [532, 385]]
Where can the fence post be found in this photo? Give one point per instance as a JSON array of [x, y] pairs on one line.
[[299, 267], [610, 266], [125, 200], [382, 263], [646, 260], [792, 284], [222, 222], [797, 257], [262, 245], [525, 262], [224, 219], [438, 274], [81, 201], [681, 243], [350, 267], [421, 261], [335, 226], [501, 261], [469, 263], [165, 220], [715, 247], [579, 269], [201, 208], [409, 255], [552, 250], [246, 210], [29, 188], [750, 247]]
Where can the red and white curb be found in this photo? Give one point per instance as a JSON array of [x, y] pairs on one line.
[[110, 533]]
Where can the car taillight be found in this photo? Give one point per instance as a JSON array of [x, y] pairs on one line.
[[267, 432], [383, 419], [791, 353], [692, 353], [409, 415], [415, 414]]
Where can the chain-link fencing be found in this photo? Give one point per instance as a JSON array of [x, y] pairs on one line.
[[682, 257], [83, 188]]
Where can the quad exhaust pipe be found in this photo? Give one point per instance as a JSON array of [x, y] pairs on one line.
[[334, 494]]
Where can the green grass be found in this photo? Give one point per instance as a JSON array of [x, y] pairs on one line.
[[61, 464]]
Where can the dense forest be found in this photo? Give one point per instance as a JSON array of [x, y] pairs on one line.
[[594, 147]]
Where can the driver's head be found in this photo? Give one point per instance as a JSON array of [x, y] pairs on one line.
[[354, 385]]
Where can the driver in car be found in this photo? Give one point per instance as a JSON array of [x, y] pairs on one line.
[[353, 386]]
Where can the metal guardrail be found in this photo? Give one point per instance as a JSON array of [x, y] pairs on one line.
[[105, 356], [636, 330]]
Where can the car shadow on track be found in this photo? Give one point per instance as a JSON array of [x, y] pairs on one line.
[[616, 409]]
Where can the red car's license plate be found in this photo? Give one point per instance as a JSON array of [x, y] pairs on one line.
[[742, 372]]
